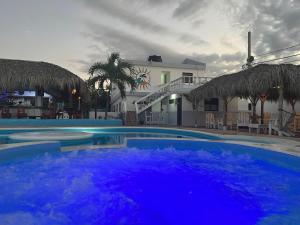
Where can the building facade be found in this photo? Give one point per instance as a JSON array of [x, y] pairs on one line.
[[160, 96]]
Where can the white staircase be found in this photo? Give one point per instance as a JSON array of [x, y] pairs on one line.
[[179, 85]]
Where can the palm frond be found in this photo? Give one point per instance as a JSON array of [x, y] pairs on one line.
[[97, 67], [119, 74]]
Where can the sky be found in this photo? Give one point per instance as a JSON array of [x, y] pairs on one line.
[[76, 33]]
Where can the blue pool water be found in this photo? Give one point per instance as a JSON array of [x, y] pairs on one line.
[[170, 183], [114, 138]]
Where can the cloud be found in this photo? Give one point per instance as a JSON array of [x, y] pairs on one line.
[[191, 39], [189, 8], [274, 24], [218, 64], [130, 46], [132, 18], [134, 47], [197, 23], [142, 22], [152, 3], [144, 42]]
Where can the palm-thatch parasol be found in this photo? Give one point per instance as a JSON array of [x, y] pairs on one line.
[[255, 83], [28, 75]]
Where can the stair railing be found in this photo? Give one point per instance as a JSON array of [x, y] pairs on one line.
[[165, 90]]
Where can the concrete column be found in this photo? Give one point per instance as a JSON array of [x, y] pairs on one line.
[[39, 98]]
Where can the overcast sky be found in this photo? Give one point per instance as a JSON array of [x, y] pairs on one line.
[[76, 33]]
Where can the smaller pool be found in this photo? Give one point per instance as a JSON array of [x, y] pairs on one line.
[[94, 136]]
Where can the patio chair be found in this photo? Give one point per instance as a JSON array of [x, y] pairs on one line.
[[297, 123], [231, 120], [5, 113], [77, 115], [65, 115], [267, 118], [243, 120], [21, 113], [49, 114], [210, 120], [295, 126]]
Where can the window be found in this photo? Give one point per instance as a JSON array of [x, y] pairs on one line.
[[187, 78], [165, 77], [211, 104]]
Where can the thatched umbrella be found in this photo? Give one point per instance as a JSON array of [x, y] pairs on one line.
[[28, 75], [255, 83]]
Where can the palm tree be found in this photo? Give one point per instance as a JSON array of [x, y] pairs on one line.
[[96, 95], [114, 72]]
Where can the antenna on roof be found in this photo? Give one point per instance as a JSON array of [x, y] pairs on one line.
[[250, 58]]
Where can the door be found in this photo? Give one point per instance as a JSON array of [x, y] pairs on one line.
[[179, 111]]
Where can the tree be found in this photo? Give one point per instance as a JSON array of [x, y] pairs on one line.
[[114, 72], [97, 96]]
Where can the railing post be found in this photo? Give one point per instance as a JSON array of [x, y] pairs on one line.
[[136, 112]]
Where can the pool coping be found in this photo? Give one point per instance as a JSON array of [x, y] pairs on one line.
[[108, 127], [25, 144]]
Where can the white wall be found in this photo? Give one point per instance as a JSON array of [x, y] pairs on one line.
[[155, 75], [270, 106], [189, 116], [155, 79]]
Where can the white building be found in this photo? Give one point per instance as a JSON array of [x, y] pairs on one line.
[[161, 98], [160, 94]]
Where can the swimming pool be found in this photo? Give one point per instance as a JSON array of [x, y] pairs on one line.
[[152, 181]]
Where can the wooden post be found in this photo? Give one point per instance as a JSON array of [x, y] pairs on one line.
[[263, 99], [225, 105], [106, 105], [280, 108], [253, 100], [39, 93], [96, 106]]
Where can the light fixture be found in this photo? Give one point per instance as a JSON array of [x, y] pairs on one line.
[[173, 96], [106, 85], [97, 83], [116, 63], [74, 91]]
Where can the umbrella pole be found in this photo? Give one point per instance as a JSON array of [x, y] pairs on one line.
[[262, 98], [280, 108], [253, 100], [225, 102]]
